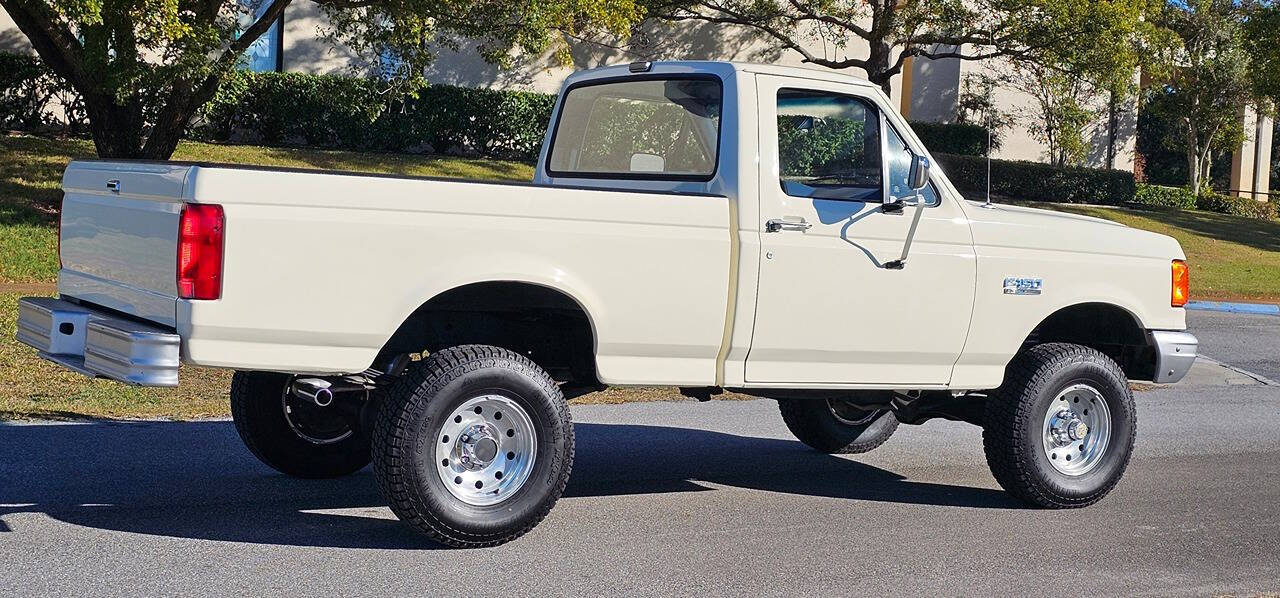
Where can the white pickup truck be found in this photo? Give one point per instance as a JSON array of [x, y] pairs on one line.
[[775, 231]]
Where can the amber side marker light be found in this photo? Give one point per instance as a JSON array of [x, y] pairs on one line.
[[1181, 284]]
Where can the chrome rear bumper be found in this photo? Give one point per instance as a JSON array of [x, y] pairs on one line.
[[96, 343], [1175, 352]]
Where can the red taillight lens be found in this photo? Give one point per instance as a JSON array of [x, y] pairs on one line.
[[1181, 284], [200, 251]]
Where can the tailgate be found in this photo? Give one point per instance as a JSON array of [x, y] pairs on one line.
[[120, 236]]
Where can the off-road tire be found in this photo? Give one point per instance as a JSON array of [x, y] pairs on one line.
[[813, 423], [408, 424], [1014, 421], [256, 407]]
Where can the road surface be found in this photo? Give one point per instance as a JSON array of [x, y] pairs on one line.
[[672, 498]]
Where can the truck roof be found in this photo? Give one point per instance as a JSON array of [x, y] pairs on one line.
[[718, 67]]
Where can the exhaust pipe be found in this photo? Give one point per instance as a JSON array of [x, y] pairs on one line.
[[316, 390]]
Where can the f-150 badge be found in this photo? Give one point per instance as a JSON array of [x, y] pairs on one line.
[[1014, 285]]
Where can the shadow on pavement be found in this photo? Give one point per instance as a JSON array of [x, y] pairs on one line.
[[196, 480]]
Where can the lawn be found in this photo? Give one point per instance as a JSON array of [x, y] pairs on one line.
[[1230, 257]]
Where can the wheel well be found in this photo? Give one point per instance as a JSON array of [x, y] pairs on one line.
[[1108, 328], [542, 323]]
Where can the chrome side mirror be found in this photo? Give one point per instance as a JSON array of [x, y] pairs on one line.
[[919, 176]]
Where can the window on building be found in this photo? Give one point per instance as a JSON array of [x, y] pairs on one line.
[[265, 54]]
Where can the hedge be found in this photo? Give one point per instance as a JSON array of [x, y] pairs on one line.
[[1165, 197], [365, 114], [952, 138], [33, 98], [1235, 205], [1039, 182]]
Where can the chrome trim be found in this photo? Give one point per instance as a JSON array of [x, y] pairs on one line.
[[96, 343], [1175, 352]]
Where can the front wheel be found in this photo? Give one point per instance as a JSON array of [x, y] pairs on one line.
[[1060, 430], [837, 427], [473, 446]]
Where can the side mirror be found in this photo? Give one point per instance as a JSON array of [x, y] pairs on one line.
[[919, 176]]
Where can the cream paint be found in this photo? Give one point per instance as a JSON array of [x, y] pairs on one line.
[[321, 268]]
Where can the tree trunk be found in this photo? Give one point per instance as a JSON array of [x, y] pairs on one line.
[[116, 128], [878, 69]]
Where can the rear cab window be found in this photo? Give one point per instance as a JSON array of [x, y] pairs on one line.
[[652, 128]]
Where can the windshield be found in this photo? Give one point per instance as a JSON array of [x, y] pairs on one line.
[[654, 128]]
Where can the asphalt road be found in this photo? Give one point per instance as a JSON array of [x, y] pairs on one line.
[[668, 498]]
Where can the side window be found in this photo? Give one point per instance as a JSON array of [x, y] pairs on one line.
[[899, 158], [828, 146]]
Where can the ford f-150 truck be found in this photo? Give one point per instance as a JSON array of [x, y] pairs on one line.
[[779, 232]]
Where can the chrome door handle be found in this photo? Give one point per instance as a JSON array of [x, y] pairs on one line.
[[781, 224]]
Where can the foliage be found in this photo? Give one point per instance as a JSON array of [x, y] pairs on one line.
[[1035, 181], [1060, 114], [809, 146], [1094, 36], [366, 114], [1159, 143], [1165, 197], [145, 67], [1235, 205], [953, 138], [1215, 67], [32, 97]]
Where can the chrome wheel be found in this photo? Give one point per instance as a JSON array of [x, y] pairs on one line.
[[312, 423], [485, 450], [1077, 430]]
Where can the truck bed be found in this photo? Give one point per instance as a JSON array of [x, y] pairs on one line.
[[320, 268]]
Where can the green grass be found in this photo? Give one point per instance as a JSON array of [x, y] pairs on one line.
[[31, 174], [1230, 257]]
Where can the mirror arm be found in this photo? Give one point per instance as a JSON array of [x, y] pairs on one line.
[[901, 262]]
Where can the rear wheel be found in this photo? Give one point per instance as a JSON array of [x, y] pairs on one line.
[[291, 435], [836, 426], [473, 446], [1060, 430]]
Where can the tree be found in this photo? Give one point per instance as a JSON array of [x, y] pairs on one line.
[[1060, 112], [1221, 61], [1078, 35], [144, 67]]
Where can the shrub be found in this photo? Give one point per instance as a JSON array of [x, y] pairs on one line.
[[1039, 182], [952, 138], [32, 97], [1165, 197], [1235, 205], [366, 114]]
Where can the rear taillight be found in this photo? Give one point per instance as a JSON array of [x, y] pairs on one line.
[[200, 251], [1181, 284]]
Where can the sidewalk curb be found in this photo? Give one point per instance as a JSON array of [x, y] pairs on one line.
[[1239, 308]]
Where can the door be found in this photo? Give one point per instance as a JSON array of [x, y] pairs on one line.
[[828, 309]]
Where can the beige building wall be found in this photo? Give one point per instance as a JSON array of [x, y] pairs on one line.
[[11, 38]]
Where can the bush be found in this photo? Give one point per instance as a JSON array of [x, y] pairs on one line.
[[1165, 197], [1235, 205], [366, 114], [952, 138], [33, 98], [1035, 181]]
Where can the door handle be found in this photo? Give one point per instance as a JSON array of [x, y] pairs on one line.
[[781, 224]]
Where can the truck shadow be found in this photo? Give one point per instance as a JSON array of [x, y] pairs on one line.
[[195, 480]]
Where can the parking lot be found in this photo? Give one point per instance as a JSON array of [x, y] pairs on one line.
[[675, 498]]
